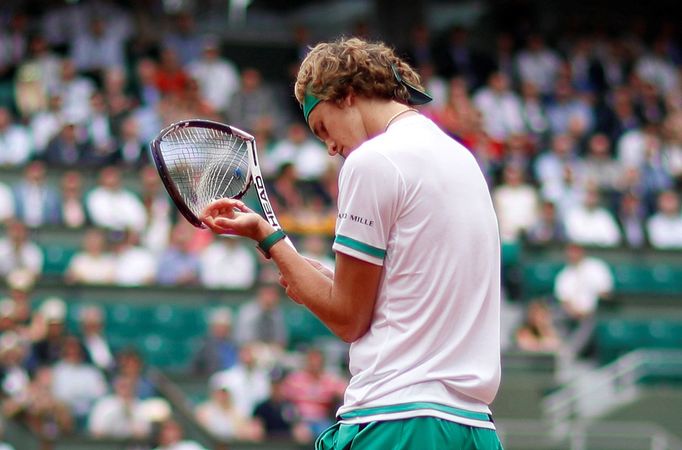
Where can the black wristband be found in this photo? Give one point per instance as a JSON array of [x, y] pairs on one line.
[[266, 244]]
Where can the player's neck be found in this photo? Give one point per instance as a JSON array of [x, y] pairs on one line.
[[378, 114]]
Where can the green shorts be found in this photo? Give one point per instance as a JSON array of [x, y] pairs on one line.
[[417, 433]]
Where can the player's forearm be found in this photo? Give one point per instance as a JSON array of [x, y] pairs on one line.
[[307, 285]]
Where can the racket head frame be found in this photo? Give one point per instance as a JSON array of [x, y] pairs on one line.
[[254, 177]]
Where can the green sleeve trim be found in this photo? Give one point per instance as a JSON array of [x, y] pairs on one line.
[[416, 406], [360, 246]]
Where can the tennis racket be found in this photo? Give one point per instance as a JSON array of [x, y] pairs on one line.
[[200, 161]]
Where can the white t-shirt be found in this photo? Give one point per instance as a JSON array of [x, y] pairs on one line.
[[665, 231], [592, 226], [582, 284], [517, 209], [415, 202]]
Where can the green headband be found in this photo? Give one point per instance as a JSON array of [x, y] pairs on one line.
[[309, 103]]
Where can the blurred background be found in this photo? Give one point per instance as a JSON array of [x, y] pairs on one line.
[[123, 327]]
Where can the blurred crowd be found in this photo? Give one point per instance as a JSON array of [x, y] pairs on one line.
[[61, 378], [578, 132]]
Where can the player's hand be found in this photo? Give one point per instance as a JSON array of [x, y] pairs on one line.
[[229, 216]]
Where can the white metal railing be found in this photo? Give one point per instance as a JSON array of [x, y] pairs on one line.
[[597, 391]]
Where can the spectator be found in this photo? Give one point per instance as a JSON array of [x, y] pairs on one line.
[[656, 67], [223, 419], [315, 391], [20, 283], [278, 417], [538, 63], [179, 264], [617, 115], [537, 333], [36, 78], [672, 147], [613, 64], [599, 167], [132, 147], [146, 89], [218, 350], [632, 145], [591, 223], [170, 437], [664, 228], [111, 206], [457, 57], [15, 140], [96, 345], [248, 383], [229, 252], [13, 42], [579, 287], [579, 65], [75, 91], [654, 175], [649, 103], [516, 203], [98, 47], [135, 264], [568, 112], [183, 39], [50, 332], [98, 128], [46, 124], [76, 382], [550, 167], [131, 365], [631, 220], [72, 201], [118, 100], [14, 377], [7, 316], [261, 320], [500, 106], [36, 201], [253, 101], [458, 117], [286, 192], [419, 49], [17, 251], [218, 77], [306, 154], [534, 113], [44, 414], [6, 202], [582, 283], [93, 264], [170, 78], [157, 208], [68, 148], [119, 415]]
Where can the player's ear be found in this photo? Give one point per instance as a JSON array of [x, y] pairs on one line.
[[349, 99]]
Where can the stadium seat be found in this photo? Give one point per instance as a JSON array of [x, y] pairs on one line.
[[303, 326], [538, 277], [57, 258]]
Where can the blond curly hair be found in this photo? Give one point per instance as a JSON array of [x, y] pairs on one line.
[[332, 70]]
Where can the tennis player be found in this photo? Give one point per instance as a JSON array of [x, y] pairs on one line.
[[416, 285]]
